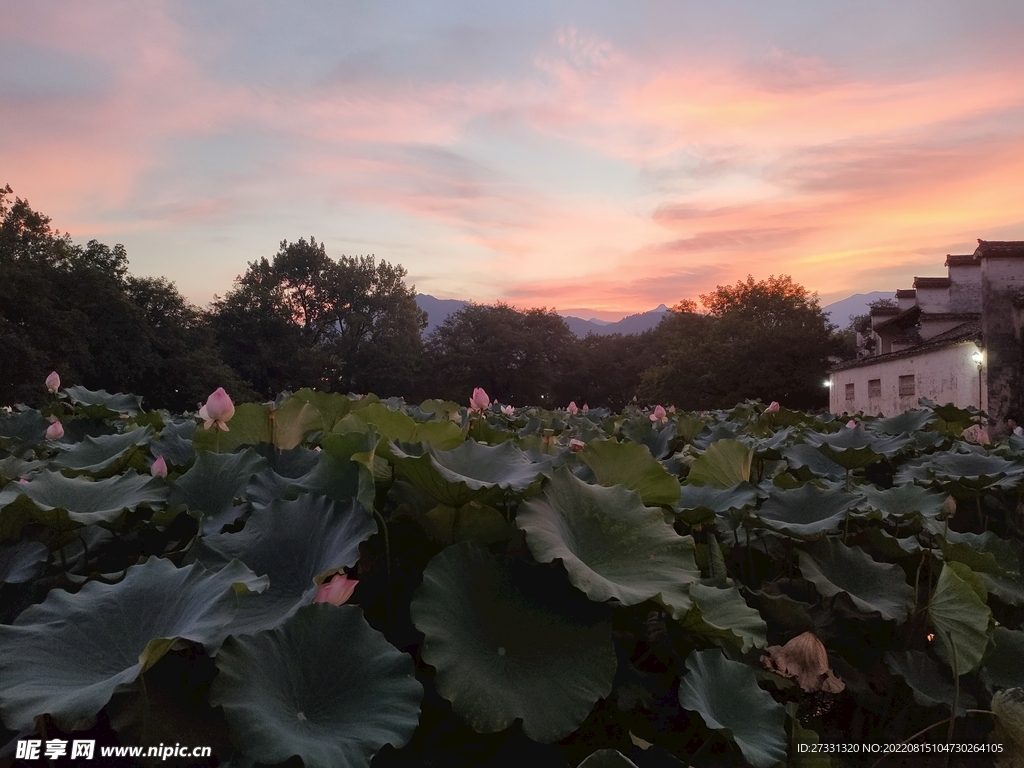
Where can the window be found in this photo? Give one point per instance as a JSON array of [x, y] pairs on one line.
[[874, 387], [906, 385], [849, 391]]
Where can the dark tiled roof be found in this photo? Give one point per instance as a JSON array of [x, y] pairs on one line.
[[988, 248], [931, 282], [946, 316], [886, 311], [962, 333], [970, 260], [905, 319], [906, 293]]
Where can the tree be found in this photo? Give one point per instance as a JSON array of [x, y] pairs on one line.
[[764, 339], [305, 320], [519, 358]]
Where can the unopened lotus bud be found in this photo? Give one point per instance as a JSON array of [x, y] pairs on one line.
[[55, 431], [159, 467], [53, 382]]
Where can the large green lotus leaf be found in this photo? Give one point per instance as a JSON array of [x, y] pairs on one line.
[[101, 455], [721, 613], [724, 464], [459, 476], [292, 421], [633, 466], [930, 684], [904, 423], [612, 546], [330, 689], [960, 617], [1008, 707], [982, 552], [854, 447], [726, 696], [512, 641], [332, 406], [872, 587], [67, 655], [249, 426], [22, 561], [65, 502], [904, 501], [1010, 591], [213, 483], [397, 426], [104, 404], [817, 463], [607, 758], [474, 522], [176, 449], [807, 511], [700, 503], [975, 470], [1003, 665], [657, 438], [292, 542], [13, 468], [25, 427]]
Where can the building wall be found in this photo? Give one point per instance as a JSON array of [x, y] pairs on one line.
[[1002, 280], [946, 375], [965, 291], [933, 299]]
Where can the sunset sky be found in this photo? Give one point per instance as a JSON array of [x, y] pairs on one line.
[[596, 157]]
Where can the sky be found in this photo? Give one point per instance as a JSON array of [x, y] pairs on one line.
[[598, 158]]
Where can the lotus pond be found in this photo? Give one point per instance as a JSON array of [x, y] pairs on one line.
[[335, 581]]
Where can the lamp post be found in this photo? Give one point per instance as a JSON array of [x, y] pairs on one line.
[[978, 357]]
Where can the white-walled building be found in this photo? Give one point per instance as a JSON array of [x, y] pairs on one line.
[[930, 343]]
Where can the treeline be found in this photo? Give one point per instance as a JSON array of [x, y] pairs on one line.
[[303, 319]]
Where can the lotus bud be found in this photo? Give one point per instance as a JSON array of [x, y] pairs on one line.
[[337, 591], [948, 507], [572, 409], [576, 445], [671, 409], [55, 431], [53, 382], [479, 401], [586, 407], [773, 408], [23, 480], [218, 410], [508, 410], [659, 415], [851, 424], [159, 467]]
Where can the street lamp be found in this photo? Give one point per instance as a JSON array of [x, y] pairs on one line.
[[978, 357]]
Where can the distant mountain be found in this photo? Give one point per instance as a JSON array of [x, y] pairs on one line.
[[438, 309], [840, 311]]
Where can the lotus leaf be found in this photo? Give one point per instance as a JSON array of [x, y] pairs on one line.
[[25, 427], [397, 426], [931, 685], [807, 511], [726, 696], [66, 502], [210, 488], [722, 614], [1002, 666], [982, 552], [22, 561], [66, 656], [644, 432], [102, 455], [960, 617], [905, 501], [634, 467], [1008, 707], [101, 404], [459, 476], [331, 690], [512, 641], [607, 758], [852, 448], [291, 542], [724, 464], [612, 546], [872, 587], [803, 455], [904, 423], [700, 503]]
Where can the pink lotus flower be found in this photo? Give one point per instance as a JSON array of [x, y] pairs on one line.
[[659, 415], [671, 409], [337, 591], [53, 382], [159, 467], [851, 424], [773, 408], [572, 409], [218, 410], [479, 401], [508, 410], [23, 480], [586, 407], [55, 431], [576, 445]]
